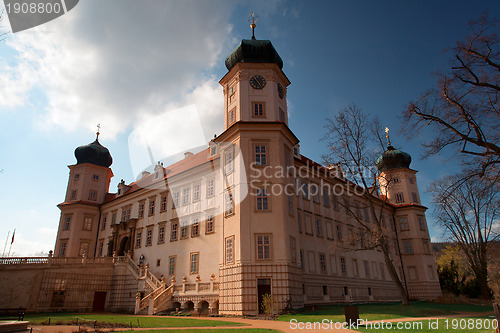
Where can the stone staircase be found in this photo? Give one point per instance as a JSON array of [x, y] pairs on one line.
[[159, 296]]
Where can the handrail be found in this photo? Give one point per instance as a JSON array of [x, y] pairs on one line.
[[52, 260]]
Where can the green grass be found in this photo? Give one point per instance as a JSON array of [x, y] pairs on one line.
[[455, 325], [384, 311], [124, 320]]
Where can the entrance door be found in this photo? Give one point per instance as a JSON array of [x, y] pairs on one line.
[[263, 288], [99, 301], [124, 246]]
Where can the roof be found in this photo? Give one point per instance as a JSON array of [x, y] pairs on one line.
[[169, 171], [256, 51]]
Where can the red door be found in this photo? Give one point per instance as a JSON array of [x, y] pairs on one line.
[[99, 301]]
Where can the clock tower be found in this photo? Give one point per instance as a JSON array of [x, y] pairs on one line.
[[255, 85]]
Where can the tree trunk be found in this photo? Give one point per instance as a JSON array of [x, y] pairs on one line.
[[395, 277]]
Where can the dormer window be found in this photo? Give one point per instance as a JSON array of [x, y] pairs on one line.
[[95, 177]]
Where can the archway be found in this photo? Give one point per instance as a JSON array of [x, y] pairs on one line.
[[188, 306], [203, 308], [176, 306], [124, 246]]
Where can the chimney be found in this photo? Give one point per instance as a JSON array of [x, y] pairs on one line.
[[188, 154], [145, 174]]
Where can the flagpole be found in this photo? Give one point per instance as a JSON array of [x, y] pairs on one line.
[[3, 253], [10, 247]]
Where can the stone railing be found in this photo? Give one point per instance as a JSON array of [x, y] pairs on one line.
[[57, 260]]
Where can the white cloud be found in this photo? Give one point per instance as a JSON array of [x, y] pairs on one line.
[[106, 62]]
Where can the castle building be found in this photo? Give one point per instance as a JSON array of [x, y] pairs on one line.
[[246, 218]]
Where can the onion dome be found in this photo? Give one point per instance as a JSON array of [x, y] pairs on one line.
[[93, 153], [392, 159], [253, 50]]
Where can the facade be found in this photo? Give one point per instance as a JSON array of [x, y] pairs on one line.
[[247, 216]]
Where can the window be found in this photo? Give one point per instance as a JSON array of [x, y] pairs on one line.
[[210, 188], [229, 203], [299, 222], [260, 155], [301, 253], [305, 190], [329, 229], [229, 161], [229, 250], [113, 218], [367, 215], [67, 222], [343, 267], [76, 177], [335, 202], [151, 206], [412, 272], [258, 109], [184, 229], [290, 205], [366, 265], [195, 228], [430, 269], [326, 198], [125, 214], [262, 200], [339, 233], [163, 203], [408, 247], [141, 209], [315, 192], [282, 115], [309, 226], [382, 271], [185, 196], [414, 197], [421, 222], [173, 231], [427, 249], [293, 249], [175, 199], [322, 263], [396, 180], [232, 90], [210, 224], [158, 262], [195, 257], [100, 248], [138, 239], [161, 234], [231, 116], [355, 267], [403, 223], [263, 247], [399, 197], [87, 223], [196, 192], [333, 263], [92, 195], [62, 248], [103, 223], [149, 237], [319, 228], [73, 195], [171, 265], [95, 177]]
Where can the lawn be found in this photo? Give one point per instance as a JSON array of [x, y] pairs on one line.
[[384, 311], [455, 325], [123, 320]]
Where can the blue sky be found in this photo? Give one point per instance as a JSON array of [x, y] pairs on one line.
[[119, 63]]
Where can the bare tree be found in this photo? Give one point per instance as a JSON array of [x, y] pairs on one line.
[[469, 213], [354, 143], [463, 109], [3, 35]]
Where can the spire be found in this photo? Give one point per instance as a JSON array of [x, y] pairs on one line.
[[253, 20], [387, 136], [98, 132]]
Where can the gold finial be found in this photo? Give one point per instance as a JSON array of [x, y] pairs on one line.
[[253, 20], [98, 131], [387, 136]]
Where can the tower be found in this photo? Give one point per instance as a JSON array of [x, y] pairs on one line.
[[398, 184], [88, 184], [253, 259]]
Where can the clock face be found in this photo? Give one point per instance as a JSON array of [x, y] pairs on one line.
[[257, 82], [281, 91]]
